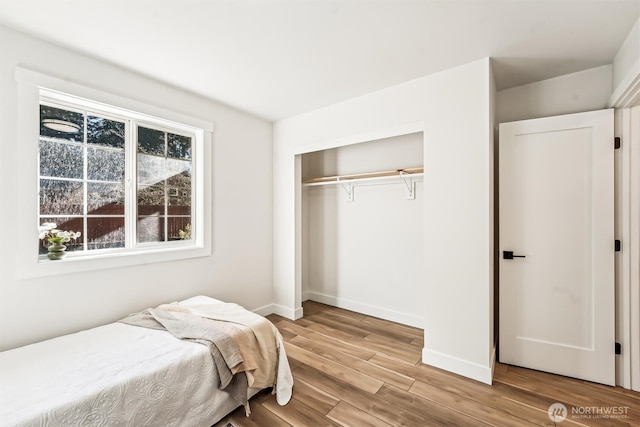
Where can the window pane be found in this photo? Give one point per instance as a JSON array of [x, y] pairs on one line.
[[151, 200], [63, 124], [175, 167], [179, 192], [105, 199], [178, 146], [61, 197], [65, 224], [150, 141], [150, 229], [105, 164], [105, 132], [60, 160], [103, 233], [151, 169], [177, 224]]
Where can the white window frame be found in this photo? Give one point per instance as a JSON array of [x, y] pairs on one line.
[[31, 87]]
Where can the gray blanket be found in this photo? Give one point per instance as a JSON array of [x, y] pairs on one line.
[[186, 326]]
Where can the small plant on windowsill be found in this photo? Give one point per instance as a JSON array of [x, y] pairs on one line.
[[186, 234], [57, 238]]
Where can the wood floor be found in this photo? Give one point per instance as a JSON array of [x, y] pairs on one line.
[[354, 370]]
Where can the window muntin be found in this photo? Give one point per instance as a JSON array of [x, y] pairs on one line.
[[87, 157]]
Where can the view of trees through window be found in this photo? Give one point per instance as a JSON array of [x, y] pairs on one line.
[[83, 170]]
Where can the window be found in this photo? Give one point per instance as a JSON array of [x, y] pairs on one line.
[[126, 181]]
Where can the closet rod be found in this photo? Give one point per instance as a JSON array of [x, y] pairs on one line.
[[340, 178]]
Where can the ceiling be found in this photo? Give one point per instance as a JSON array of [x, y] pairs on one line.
[[279, 58]]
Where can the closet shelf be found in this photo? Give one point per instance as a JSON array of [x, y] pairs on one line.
[[347, 182], [362, 176]]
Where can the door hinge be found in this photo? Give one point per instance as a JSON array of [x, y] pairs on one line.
[[616, 142], [618, 348], [618, 245]]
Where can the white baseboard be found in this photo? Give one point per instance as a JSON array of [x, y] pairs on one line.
[[370, 310], [458, 366], [280, 310]]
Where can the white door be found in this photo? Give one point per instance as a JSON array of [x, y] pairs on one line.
[[556, 218]]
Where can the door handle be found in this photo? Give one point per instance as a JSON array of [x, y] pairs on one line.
[[510, 255]]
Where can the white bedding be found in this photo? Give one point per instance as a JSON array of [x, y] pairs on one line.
[[113, 375]]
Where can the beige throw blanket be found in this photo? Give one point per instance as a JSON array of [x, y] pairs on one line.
[[247, 349], [258, 340]]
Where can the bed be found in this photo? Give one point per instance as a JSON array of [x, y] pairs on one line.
[[120, 375]]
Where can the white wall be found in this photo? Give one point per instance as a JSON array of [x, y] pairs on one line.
[[572, 93], [453, 110], [240, 269], [492, 132], [365, 255]]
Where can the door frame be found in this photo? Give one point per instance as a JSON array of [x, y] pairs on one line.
[[627, 105]]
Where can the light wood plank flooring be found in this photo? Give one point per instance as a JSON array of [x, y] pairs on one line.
[[355, 370]]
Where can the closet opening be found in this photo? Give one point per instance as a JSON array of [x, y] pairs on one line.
[[362, 228]]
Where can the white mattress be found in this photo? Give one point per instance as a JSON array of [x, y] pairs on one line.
[[115, 375]]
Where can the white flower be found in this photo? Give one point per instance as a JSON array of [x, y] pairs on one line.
[[48, 231], [46, 226]]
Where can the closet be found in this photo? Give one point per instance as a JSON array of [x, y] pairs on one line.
[[362, 233]]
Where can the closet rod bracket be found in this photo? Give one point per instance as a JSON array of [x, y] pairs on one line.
[[347, 187], [410, 184]]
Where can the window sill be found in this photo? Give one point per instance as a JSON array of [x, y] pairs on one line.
[[43, 267]]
